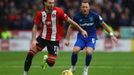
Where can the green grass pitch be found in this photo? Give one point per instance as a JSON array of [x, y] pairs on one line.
[[103, 63]]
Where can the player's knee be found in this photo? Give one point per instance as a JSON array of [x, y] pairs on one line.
[[76, 50], [89, 51], [51, 60], [32, 52], [37, 48]]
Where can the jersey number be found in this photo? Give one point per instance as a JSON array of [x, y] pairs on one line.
[[93, 40]]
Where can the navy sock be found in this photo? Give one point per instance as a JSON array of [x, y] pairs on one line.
[[74, 59], [28, 60], [88, 59]]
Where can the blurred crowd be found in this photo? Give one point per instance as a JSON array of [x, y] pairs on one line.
[[116, 13], [19, 14]]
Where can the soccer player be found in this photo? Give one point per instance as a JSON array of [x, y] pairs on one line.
[[88, 20], [51, 19]]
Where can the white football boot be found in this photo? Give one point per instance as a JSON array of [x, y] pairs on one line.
[[85, 72], [73, 68], [25, 73]]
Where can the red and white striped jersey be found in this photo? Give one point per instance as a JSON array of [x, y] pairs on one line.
[[52, 24]]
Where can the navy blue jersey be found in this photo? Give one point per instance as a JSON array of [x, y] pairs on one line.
[[88, 23]]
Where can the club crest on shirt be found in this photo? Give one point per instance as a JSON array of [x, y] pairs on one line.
[[44, 15], [91, 19], [53, 15], [100, 17], [80, 20]]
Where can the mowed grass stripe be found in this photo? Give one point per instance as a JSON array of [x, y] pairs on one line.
[[99, 67]]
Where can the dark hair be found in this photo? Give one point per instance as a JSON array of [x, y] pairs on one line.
[[44, 1], [85, 1], [90, 2]]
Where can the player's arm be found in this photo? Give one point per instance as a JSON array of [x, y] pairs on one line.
[[69, 20], [34, 33], [37, 21], [113, 38], [106, 27], [84, 33], [69, 31]]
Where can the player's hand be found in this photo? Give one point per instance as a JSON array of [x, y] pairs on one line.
[[33, 43], [67, 43], [114, 40], [84, 33]]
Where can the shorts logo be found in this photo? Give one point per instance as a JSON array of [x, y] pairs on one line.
[[93, 40], [56, 49]]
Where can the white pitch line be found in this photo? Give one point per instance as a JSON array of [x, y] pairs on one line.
[[99, 67]]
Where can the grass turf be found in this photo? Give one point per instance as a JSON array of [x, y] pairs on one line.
[[103, 63]]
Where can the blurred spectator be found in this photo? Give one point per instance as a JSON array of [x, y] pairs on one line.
[[128, 4], [125, 18], [18, 14], [6, 34], [1, 8]]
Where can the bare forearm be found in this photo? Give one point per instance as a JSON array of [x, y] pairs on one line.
[[113, 38], [34, 32], [75, 24], [69, 31], [106, 27]]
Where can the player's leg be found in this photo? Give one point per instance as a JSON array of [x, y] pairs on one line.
[[28, 60], [78, 46], [52, 47], [74, 58], [88, 58], [32, 52], [90, 46], [89, 51]]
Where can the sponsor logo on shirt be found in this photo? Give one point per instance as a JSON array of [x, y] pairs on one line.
[[87, 24]]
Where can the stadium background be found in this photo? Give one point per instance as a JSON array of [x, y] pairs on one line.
[[16, 21]]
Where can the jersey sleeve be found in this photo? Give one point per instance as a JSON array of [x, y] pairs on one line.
[[99, 19], [62, 14], [75, 18], [37, 19]]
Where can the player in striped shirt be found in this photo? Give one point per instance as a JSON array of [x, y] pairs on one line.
[[51, 19]]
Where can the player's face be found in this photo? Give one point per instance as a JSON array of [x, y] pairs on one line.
[[85, 8], [49, 5]]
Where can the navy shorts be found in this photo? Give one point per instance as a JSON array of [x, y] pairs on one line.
[[85, 42], [52, 46]]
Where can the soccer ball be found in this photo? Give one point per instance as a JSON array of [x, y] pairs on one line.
[[67, 72]]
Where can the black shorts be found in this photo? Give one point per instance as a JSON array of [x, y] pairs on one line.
[[52, 46]]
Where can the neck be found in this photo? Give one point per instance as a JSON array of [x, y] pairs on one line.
[[85, 15], [47, 10]]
